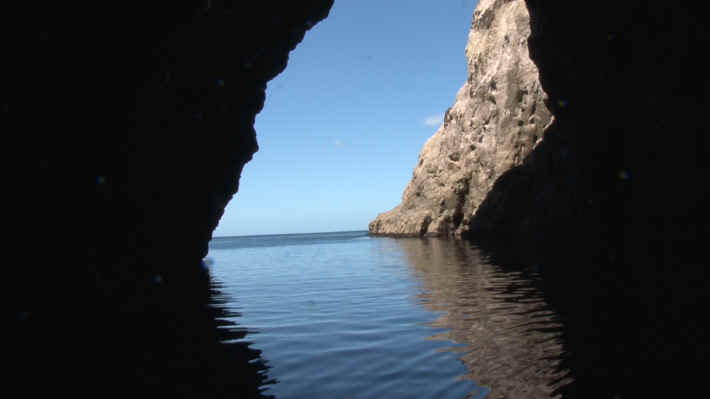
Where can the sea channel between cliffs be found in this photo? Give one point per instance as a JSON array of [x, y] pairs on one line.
[[574, 173]]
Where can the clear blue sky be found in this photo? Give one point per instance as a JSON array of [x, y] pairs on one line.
[[343, 125]]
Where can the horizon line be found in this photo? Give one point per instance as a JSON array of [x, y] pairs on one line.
[[285, 234]]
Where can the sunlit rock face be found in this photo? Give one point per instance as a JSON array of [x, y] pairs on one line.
[[498, 117]]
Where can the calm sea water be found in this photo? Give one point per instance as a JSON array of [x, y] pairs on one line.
[[346, 315]]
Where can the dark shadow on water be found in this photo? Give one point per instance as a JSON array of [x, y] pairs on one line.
[[598, 331], [173, 337], [234, 349]]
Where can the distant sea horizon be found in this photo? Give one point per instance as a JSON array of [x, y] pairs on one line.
[[288, 234]]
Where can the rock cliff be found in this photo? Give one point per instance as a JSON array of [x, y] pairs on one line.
[[498, 117], [612, 203]]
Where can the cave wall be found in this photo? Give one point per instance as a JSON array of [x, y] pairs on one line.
[[148, 108], [613, 199], [131, 122]]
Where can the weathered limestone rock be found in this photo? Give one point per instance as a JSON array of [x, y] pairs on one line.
[[498, 117]]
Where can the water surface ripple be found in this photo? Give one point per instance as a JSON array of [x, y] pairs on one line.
[[345, 315]]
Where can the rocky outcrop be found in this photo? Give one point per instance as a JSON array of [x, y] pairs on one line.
[[497, 119], [612, 203]]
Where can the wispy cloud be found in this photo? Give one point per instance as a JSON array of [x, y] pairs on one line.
[[434, 120], [338, 143]]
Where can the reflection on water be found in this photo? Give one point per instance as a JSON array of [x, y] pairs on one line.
[[245, 370], [172, 336], [343, 315], [336, 318], [511, 336]]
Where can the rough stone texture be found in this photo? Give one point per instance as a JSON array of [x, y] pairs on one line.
[[612, 203], [498, 117]]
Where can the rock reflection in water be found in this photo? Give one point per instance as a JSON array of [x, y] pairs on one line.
[[511, 337], [241, 367]]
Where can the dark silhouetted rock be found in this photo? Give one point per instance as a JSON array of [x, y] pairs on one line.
[[133, 121]]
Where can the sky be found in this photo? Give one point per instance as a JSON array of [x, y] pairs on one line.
[[343, 125]]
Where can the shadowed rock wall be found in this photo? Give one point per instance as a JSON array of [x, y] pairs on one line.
[[134, 121], [611, 203], [617, 181]]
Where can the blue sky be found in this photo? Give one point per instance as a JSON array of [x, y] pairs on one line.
[[343, 125]]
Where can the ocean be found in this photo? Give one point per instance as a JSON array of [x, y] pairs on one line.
[[348, 315]]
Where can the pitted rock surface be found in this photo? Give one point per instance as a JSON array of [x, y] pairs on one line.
[[498, 117]]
